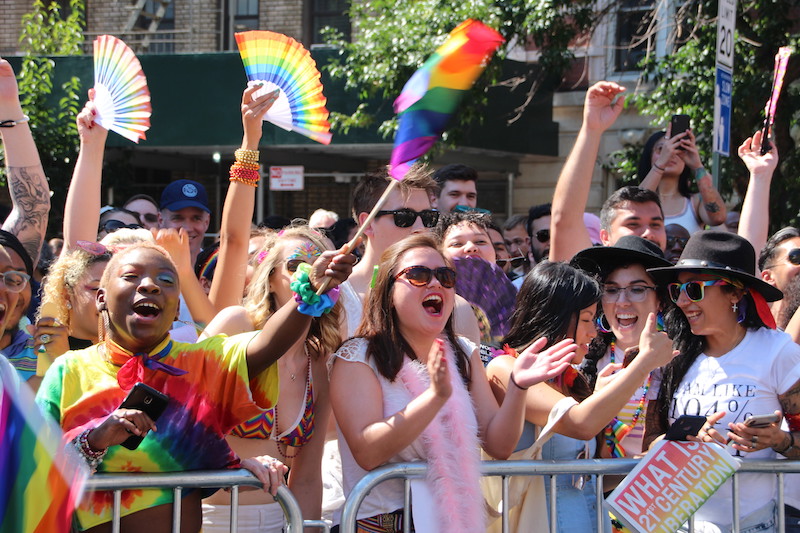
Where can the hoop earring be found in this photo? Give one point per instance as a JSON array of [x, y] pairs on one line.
[[602, 324]]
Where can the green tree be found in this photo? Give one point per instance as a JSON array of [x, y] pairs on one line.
[[48, 31], [683, 82], [392, 39]]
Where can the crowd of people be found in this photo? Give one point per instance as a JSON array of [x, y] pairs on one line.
[[444, 336]]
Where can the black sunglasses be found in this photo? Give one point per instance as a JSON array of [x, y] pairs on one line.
[[405, 218], [793, 257], [421, 276], [151, 218], [110, 226], [543, 235], [672, 241]]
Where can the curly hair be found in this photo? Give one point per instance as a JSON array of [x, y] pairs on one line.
[[62, 279], [259, 301]]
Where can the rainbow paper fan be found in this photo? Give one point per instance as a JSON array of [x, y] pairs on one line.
[[121, 94], [280, 62]]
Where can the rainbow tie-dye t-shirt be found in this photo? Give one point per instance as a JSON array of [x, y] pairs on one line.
[[80, 390]]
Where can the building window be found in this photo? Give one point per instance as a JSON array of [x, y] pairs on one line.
[[157, 20], [238, 16], [634, 32], [328, 13]]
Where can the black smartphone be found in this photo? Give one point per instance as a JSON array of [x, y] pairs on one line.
[[147, 400], [684, 426], [761, 421], [678, 124]]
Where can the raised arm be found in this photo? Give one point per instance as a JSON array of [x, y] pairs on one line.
[[82, 208], [227, 287], [711, 209], [568, 233], [754, 221], [27, 184]]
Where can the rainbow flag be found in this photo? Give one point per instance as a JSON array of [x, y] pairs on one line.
[[41, 481], [432, 94]]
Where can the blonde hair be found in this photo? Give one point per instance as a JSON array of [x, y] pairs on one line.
[[260, 303], [126, 237]]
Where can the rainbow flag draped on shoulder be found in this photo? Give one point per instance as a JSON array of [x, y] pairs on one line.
[[432, 94], [40, 481]]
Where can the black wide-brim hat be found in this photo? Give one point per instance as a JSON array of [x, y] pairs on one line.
[[628, 250], [719, 253]]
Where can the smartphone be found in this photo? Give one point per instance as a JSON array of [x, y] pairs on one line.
[[678, 124], [684, 426], [761, 421], [147, 400]]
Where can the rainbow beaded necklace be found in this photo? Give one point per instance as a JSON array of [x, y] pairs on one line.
[[618, 430]]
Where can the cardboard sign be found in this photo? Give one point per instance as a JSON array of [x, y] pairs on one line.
[[669, 484]]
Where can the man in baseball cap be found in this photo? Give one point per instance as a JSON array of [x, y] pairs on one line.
[[184, 204]]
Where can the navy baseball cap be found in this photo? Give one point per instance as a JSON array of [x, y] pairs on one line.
[[184, 193]]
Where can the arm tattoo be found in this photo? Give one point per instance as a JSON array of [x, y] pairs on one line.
[[712, 207], [790, 403], [30, 196]]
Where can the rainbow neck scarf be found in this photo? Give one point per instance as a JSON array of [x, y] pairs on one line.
[[133, 365]]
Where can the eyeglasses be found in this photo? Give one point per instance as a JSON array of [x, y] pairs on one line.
[[695, 290], [405, 218], [543, 235], [793, 257], [14, 280], [633, 293], [110, 226], [421, 276], [672, 241]]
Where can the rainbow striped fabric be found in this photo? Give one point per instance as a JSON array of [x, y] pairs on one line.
[[432, 94], [80, 390], [40, 481]]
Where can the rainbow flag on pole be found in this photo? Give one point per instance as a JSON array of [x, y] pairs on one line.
[[432, 94], [41, 481]]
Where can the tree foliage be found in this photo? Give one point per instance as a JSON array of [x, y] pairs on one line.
[[392, 39], [683, 82]]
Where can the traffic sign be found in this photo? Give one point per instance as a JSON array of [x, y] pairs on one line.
[[723, 89]]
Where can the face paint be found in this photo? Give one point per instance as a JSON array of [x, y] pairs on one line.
[[307, 251]]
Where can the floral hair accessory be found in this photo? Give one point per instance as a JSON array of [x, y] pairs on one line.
[[261, 256]]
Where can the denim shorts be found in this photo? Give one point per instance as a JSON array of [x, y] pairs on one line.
[[763, 520]]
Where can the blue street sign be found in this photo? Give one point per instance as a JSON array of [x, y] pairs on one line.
[[723, 89]]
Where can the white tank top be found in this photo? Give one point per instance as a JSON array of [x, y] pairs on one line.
[[686, 218]]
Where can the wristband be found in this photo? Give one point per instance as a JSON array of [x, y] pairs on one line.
[[311, 303], [92, 457], [699, 173], [789, 447], [514, 382], [12, 123], [658, 167]]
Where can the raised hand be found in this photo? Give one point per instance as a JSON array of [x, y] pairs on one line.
[[606, 375], [439, 371], [533, 366], [689, 152], [655, 347], [10, 108], [600, 109], [757, 164], [333, 265], [89, 131], [50, 336], [669, 149], [176, 243], [253, 111]]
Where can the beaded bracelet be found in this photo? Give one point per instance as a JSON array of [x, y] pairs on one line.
[[248, 166], [244, 175], [311, 303], [246, 156], [92, 457]]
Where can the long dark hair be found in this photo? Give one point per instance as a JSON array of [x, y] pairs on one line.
[[379, 324], [686, 178], [690, 347], [548, 304]]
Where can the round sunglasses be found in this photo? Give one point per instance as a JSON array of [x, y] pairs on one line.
[[421, 276], [405, 218], [695, 290]]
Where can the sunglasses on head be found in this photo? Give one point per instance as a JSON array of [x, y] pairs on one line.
[[543, 235], [110, 226], [695, 290], [421, 276], [793, 256], [405, 218]]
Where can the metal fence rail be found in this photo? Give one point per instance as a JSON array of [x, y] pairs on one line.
[[506, 469]]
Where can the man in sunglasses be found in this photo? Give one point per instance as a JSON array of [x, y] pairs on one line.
[[184, 204], [456, 187], [779, 263], [539, 231]]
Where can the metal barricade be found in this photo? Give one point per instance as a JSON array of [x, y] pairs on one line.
[[232, 479], [505, 469]]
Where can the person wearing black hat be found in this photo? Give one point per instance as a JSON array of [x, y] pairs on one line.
[[629, 296], [184, 204], [733, 365]]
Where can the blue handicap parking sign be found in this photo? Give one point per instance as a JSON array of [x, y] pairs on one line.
[[723, 90]]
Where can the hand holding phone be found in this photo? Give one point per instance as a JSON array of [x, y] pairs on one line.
[[761, 421], [147, 400], [678, 124], [684, 426]]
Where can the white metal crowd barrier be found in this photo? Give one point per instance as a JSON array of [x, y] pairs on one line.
[[505, 469]]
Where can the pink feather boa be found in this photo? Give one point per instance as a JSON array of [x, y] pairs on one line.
[[452, 448]]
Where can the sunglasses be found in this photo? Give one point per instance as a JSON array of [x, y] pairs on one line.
[[695, 290], [150, 218], [543, 235], [633, 293], [793, 257], [421, 276], [405, 218], [293, 264], [672, 241], [110, 226], [14, 280]]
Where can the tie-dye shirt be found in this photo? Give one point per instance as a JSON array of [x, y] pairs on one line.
[[80, 390]]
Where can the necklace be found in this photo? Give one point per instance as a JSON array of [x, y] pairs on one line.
[[618, 430], [282, 448]]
